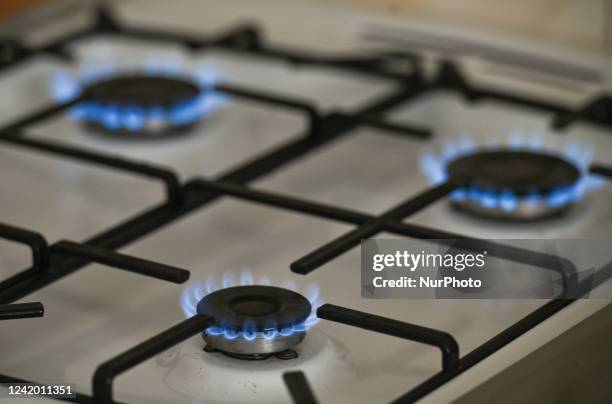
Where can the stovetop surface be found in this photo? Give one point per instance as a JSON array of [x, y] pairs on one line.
[[96, 313]]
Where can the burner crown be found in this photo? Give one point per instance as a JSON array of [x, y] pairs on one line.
[[257, 308]]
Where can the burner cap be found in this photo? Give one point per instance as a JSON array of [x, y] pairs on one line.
[[143, 91], [522, 172], [141, 105], [510, 184], [258, 307], [254, 322]]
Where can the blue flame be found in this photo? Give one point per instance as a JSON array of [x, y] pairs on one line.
[[435, 168], [65, 87], [196, 290]]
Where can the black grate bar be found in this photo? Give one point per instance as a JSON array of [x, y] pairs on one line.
[[13, 52], [400, 129], [281, 201], [37, 117], [409, 91], [396, 64], [565, 119], [597, 110], [518, 100], [450, 77], [16, 53], [106, 373], [381, 66], [284, 101], [120, 261], [440, 339], [21, 310], [29, 281], [349, 240], [70, 256], [37, 243], [169, 178], [515, 254], [191, 40], [599, 169], [299, 388], [419, 202], [244, 36], [104, 21]]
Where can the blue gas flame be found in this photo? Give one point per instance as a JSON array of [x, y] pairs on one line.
[[434, 166], [196, 290], [65, 86]]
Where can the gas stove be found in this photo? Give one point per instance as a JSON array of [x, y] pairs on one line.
[[141, 156]]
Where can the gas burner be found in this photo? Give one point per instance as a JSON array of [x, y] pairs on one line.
[[252, 321], [151, 105], [138, 104], [513, 182]]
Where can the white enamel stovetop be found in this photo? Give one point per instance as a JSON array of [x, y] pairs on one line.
[[98, 312]]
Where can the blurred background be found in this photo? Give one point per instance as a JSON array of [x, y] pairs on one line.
[[574, 23]]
